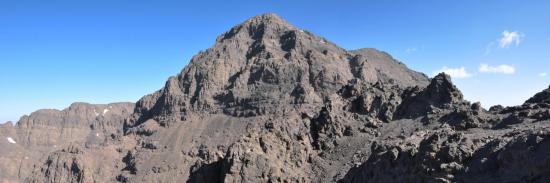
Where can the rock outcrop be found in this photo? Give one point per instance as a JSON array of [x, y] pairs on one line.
[[542, 97], [270, 102], [30, 142]]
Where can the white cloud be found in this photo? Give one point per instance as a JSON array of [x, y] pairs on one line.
[[454, 72], [543, 74], [509, 38], [501, 69]]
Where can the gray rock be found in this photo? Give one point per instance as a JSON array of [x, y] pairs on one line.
[[541, 97], [47, 131], [270, 102]]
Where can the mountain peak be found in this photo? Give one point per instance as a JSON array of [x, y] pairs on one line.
[[271, 102], [258, 26], [268, 21], [261, 61], [266, 18]]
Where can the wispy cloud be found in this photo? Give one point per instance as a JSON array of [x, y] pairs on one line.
[[500, 69], [543, 74], [489, 47], [410, 50], [454, 72], [509, 38]]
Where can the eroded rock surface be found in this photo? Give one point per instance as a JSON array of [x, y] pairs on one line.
[[31, 142], [270, 102]]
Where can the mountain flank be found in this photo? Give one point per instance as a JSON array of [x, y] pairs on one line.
[[270, 102]]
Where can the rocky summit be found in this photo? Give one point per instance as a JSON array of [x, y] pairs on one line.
[[270, 102]]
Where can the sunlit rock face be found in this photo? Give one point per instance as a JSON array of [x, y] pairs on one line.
[[270, 102]]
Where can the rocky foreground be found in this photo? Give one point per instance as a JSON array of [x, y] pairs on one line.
[[270, 102]]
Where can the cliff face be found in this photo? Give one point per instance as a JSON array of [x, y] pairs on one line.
[[26, 145], [266, 61], [270, 102], [264, 85]]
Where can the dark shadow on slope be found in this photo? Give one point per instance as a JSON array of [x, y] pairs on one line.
[[211, 172]]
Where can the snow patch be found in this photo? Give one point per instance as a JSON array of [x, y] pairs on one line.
[[105, 111], [95, 112], [10, 140], [97, 134]]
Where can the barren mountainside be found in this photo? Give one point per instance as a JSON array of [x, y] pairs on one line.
[[270, 102]]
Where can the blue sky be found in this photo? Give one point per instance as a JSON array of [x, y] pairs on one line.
[[54, 52]]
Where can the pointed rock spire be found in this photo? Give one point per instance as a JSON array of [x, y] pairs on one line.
[[441, 90], [440, 93]]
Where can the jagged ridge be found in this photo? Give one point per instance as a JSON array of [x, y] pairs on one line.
[[270, 102]]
